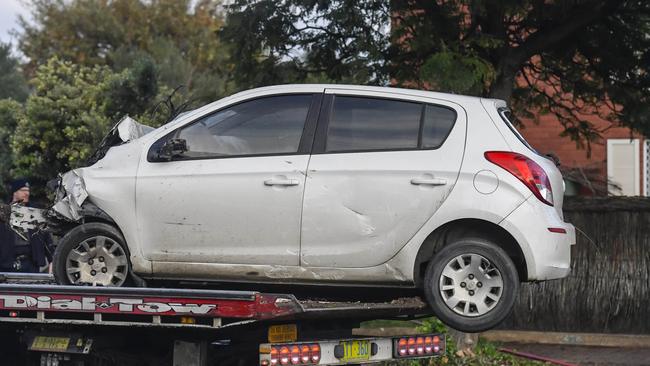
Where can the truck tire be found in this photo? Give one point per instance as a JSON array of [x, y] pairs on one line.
[[471, 285], [92, 254]]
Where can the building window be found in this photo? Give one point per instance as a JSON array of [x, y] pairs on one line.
[[623, 167]]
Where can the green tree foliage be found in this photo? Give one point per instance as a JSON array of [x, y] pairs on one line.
[[304, 40], [571, 58], [180, 36], [10, 112], [11, 78], [70, 111]]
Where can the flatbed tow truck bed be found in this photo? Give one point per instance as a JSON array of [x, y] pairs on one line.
[[42, 323]]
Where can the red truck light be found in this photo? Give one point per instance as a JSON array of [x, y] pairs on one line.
[[294, 354], [418, 346]]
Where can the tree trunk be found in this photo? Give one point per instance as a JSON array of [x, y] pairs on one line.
[[503, 85], [465, 342]]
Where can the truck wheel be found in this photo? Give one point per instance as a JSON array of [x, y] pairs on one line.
[[92, 254], [471, 285]]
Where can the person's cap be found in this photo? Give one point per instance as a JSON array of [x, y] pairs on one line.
[[19, 184]]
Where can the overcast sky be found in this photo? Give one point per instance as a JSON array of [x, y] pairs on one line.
[[9, 11]]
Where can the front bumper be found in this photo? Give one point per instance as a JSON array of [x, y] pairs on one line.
[[547, 253]]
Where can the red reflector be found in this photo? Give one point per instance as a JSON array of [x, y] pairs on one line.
[[264, 363], [558, 230], [13, 314]]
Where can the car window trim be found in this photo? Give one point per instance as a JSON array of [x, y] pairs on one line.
[[327, 106], [304, 145]]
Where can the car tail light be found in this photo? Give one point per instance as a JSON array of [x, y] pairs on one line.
[[418, 346], [294, 354], [526, 170]]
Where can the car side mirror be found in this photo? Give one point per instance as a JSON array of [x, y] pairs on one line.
[[171, 149]]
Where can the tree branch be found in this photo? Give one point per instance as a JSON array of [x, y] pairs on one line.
[[552, 34]]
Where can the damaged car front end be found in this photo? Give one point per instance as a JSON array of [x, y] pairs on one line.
[[72, 207]]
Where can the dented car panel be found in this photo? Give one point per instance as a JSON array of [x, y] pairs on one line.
[[376, 199], [71, 194], [111, 186]]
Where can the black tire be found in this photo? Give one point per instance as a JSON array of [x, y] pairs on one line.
[[475, 322], [91, 233]]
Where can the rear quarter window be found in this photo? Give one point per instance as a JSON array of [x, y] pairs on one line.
[[437, 123], [508, 117]]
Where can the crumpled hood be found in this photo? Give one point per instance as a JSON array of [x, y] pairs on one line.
[[70, 195], [129, 129]]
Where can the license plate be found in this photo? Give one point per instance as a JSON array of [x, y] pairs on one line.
[[51, 344], [283, 333], [355, 351]]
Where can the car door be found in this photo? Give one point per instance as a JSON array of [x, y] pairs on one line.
[[382, 165], [235, 196]]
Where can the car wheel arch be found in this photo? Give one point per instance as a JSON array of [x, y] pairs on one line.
[[468, 228]]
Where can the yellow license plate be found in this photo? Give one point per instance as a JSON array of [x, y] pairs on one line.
[[283, 333], [52, 344], [355, 351]]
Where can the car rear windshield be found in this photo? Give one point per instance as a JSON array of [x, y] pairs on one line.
[[507, 117]]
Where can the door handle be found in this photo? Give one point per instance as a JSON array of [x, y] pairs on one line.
[[429, 181], [281, 182]]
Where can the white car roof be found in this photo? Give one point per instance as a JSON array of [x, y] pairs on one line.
[[293, 88]]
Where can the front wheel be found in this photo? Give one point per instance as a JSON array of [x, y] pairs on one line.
[[92, 254], [471, 285]]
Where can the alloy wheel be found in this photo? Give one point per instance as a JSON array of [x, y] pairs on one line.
[[470, 285], [97, 261]]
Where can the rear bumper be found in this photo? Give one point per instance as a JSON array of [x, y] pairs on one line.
[[547, 253]]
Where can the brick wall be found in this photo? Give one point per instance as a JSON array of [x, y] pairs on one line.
[[545, 137]]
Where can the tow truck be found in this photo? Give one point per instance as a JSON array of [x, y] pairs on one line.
[[42, 323]]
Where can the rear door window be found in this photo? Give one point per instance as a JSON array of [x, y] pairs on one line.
[[365, 124], [373, 124]]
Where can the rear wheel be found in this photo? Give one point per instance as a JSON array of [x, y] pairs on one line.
[[92, 254], [471, 285]]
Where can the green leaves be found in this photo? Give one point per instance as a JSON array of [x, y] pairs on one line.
[[11, 79], [286, 41], [180, 37], [71, 110], [453, 72]]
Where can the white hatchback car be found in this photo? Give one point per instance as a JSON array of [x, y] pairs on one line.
[[324, 185]]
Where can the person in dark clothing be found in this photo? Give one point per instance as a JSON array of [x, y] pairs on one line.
[[16, 253]]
